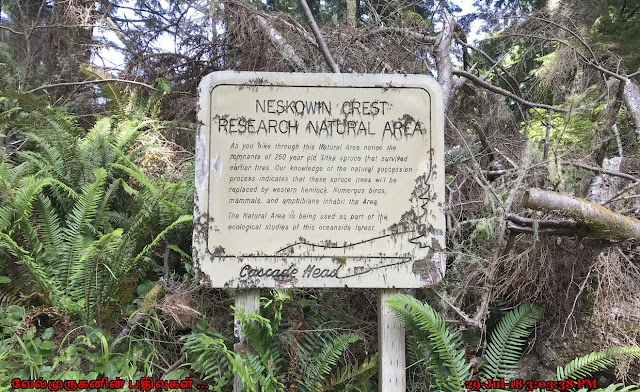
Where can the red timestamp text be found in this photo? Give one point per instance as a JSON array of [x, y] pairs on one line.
[[530, 385], [104, 383]]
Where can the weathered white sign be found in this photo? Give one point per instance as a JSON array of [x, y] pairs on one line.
[[319, 180]]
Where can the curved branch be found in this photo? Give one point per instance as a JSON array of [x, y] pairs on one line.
[[113, 80], [506, 93]]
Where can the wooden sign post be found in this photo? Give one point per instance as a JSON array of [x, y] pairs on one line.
[[322, 180]]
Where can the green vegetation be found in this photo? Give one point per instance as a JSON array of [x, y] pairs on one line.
[[97, 183]]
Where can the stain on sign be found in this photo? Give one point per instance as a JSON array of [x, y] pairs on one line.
[[319, 180]]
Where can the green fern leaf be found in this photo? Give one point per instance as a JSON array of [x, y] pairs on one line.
[[446, 346], [352, 376], [507, 341], [22, 206], [87, 279], [210, 357], [159, 237], [52, 156], [74, 233], [583, 367], [323, 361]]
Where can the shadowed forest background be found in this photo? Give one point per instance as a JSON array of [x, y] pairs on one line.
[[97, 127]]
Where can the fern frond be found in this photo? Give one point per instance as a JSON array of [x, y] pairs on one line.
[[507, 341], [48, 226], [136, 174], [323, 361], [87, 280], [96, 144], [22, 204], [210, 357], [117, 98], [584, 366], [51, 289], [445, 345], [83, 212], [352, 376], [102, 216], [159, 237], [51, 155], [128, 132]]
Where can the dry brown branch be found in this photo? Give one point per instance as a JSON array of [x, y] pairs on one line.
[[508, 78], [602, 222], [504, 92], [622, 192], [601, 170], [562, 228], [398, 31], [11, 30], [498, 250]]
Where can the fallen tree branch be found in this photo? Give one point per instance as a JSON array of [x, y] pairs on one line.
[[504, 92], [601, 170], [398, 30], [622, 192], [140, 314], [561, 228], [111, 80], [601, 222], [283, 47], [512, 82]]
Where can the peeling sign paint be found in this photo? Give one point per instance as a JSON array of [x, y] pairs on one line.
[[201, 164], [319, 180]]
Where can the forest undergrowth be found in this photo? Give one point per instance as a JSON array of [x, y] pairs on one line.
[[97, 182]]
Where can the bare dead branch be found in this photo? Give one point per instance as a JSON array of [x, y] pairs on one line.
[[398, 31], [11, 30], [85, 82], [622, 192], [501, 91], [601, 170], [322, 45], [508, 78]]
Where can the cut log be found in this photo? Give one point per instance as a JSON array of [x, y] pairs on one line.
[[602, 222]]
